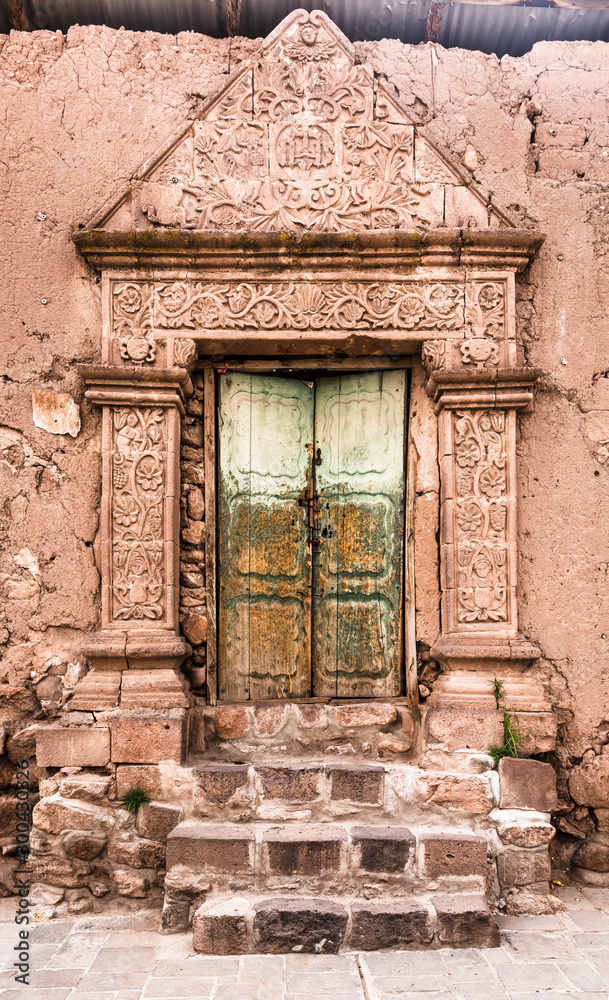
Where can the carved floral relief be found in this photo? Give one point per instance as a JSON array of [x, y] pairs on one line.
[[138, 470], [481, 509], [485, 324], [132, 320]]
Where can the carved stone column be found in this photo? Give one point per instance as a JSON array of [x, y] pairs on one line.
[[140, 516], [477, 448]]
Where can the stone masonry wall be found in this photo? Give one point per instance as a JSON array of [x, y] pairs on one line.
[[79, 113]]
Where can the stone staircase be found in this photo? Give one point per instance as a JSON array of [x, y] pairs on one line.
[[318, 856]]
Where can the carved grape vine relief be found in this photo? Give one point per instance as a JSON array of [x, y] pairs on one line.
[[481, 509], [138, 470]]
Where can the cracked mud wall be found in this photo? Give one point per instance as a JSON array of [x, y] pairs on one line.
[[81, 112]]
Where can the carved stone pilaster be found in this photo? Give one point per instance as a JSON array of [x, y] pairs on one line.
[[140, 516], [477, 447]]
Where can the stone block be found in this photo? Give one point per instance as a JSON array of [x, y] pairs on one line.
[[84, 846], [367, 714], [148, 739], [593, 854], [231, 722], [98, 691], [61, 872], [208, 847], [356, 783], [137, 853], [86, 746], [391, 924], [463, 729], [467, 793], [21, 745], [527, 784], [538, 732], [526, 835], [221, 929], [176, 911], [269, 719], [134, 885], [90, 787], [465, 921], [311, 926], [217, 784], [158, 688], [8, 816], [54, 815], [290, 782], [304, 850], [459, 854], [523, 867], [156, 820], [145, 776], [195, 504], [312, 716], [589, 782], [383, 849], [194, 626], [194, 533]]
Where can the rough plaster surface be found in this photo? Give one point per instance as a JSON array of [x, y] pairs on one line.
[[81, 112]]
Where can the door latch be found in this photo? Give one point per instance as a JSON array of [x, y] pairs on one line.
[[309, 499]]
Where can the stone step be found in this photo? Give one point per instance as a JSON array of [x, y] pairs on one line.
[[278, 925], [318, 791], [331, 858]]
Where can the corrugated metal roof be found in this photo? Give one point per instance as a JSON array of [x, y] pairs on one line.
[[490, 27]]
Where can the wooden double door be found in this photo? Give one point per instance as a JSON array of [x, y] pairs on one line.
[[311, 514]]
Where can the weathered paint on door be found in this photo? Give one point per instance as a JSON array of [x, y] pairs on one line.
[[266, 427], [311, 549], [358, 572]]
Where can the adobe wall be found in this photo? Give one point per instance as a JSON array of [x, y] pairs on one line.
[[81, 112]]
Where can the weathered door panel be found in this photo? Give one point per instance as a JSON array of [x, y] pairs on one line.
[[266, 432], [358, 579]]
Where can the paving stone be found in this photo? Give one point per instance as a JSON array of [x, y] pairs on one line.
[[127, 960], [321, 963], [404, 986], [591, 920], [185, 987], [52, 978], [321, 983], [428, 963], [383, 849], [304, 850], [481, 991], [533, 947], [468, 966], [520, 977], [249, 991], [530, 923], [585, 941], [312, 925], [357, 994], [196, 965], [50, 933], [583, 976], [31, 993], [389, 924], [77, 951], [92, 983], [261, 969]]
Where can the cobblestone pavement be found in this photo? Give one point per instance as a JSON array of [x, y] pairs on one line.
[[123, 958]]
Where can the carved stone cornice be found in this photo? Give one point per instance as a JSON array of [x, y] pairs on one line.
[[111, 385], [511, 249], [504, 389]]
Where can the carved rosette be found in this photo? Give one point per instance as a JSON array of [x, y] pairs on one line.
[[132, 321], [139, 440]]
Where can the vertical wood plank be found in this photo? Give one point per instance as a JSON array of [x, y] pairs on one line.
[[209, 459], [410, 641]]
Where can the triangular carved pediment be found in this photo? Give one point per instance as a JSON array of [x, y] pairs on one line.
[[302, 139]]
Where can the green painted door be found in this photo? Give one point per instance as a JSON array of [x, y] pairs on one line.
[[311, 552], [358, 579], [266, 428]]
